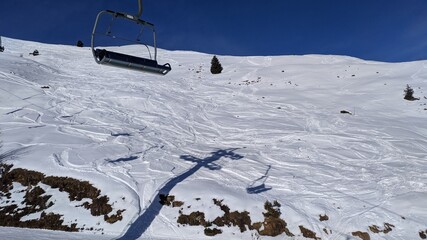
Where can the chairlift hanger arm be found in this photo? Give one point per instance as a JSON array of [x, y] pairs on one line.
[[135, 18], [139, 9], [139, 14], [129, 17]]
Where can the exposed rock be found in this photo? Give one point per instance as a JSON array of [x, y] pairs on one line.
[[115, 217], [169, 200], [193, 219], [272, 225], [362, 235], [212, 231], [308, 233], [239, 219], [100, 206], [323, 218], [387, 228]]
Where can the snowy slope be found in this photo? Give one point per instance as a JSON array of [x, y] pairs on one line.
[[267, 128]]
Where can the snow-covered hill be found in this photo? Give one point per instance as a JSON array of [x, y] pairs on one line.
[[266, 130]]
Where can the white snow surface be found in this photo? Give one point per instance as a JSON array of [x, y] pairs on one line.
[[265, 129]]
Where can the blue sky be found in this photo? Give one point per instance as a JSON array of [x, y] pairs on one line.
[[384, 30]]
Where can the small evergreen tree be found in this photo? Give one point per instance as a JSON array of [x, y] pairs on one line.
[[409, 93], [216, 67], [35, 53], [79, 44]]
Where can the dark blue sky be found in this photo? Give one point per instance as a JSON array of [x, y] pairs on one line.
[[385, 30]]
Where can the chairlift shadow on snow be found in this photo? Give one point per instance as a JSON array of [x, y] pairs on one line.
[[258, 186], [126, 159], [258, 189], [141, 224]]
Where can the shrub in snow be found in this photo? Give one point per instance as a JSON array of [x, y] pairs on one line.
[[409, 94], [1, 49], [79, 44], [216, 67]]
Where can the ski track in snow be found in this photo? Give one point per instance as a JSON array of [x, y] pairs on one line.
[[130, 131]]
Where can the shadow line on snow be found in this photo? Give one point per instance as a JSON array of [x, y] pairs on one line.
[[126, 159], [143, 222]]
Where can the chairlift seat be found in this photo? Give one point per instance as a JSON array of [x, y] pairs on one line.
[[130, 62], [106, 57]]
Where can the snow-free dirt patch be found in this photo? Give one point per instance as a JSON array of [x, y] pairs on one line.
[[272, 225], [361, 235], [36, 201]]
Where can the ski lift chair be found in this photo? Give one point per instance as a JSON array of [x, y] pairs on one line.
[[107, 57]]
